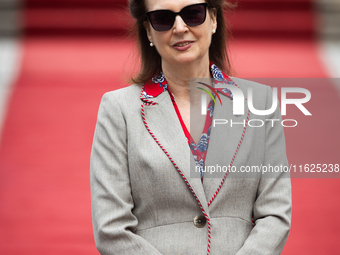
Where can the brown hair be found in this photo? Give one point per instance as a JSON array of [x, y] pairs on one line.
[[150, 58]]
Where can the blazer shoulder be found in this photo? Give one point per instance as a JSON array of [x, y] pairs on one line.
[[126, 93], [125, 100]]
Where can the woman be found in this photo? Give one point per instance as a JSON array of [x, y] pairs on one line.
[[147, 195]]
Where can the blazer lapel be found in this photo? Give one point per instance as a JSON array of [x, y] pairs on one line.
[[225, 141], [161, 120]]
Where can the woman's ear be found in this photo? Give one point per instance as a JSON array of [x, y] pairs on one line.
[[213, 16]]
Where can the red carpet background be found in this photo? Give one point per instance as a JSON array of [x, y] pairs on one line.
[[69, 61]]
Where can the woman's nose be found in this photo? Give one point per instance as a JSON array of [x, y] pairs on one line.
[[179, 25]]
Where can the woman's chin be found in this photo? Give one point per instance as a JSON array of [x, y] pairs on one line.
[[186, 60]]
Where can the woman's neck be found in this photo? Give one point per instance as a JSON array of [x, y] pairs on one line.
[[178, 79]]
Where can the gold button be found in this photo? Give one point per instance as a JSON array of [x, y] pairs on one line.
[[200, 221]]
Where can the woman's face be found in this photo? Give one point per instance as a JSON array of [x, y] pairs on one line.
[[182, 44]]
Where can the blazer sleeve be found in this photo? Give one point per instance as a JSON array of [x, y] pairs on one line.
[[111, 198], [272, 208]]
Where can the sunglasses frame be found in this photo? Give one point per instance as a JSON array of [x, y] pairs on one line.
[[175, 15]]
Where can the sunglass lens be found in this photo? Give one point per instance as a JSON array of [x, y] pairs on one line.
[[162, 20], [194, 15]]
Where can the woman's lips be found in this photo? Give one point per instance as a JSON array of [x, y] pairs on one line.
[[182, 46]]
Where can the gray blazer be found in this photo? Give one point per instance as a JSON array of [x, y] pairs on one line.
[[147, 200]]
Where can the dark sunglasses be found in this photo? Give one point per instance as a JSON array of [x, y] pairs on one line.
[[192, 15]]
